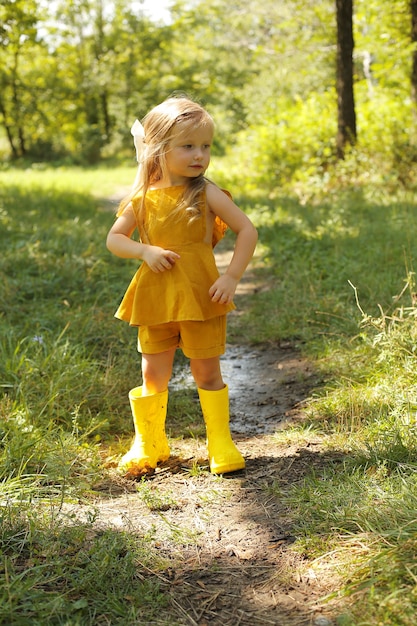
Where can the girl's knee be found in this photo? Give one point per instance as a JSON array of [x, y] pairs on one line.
[[207, 374], [156, 371]]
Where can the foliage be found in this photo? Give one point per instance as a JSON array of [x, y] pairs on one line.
[[76, 74]]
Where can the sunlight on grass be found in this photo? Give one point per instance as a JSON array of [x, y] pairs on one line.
[[360, 512], [99, 182]]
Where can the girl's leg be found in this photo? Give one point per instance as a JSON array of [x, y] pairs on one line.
[[214, 399], [149, 407], [157, 371], [207, 373]]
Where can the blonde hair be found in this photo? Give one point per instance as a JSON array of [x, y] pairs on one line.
[[163, 123]]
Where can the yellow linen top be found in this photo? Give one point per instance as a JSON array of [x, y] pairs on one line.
[[180, 293]]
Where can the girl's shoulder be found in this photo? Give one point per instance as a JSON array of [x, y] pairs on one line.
[[136, 201], [213, 191]]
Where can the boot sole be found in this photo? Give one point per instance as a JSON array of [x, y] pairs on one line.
[[226, 469]]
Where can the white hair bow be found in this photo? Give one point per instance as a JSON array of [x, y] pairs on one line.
[[138, 133]]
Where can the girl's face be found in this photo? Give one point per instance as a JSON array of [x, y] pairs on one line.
[[188, 154]]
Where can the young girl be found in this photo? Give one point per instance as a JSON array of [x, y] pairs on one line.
[[177, 297]]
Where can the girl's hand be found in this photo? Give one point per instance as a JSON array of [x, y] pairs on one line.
[[223, 289], [158, 259]]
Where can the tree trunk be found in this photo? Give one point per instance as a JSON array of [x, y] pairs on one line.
[[106, 115], [15, 87], [346, 116], [413, 8], [8, 130]]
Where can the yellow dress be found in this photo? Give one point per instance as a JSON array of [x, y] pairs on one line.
[[181, 293]]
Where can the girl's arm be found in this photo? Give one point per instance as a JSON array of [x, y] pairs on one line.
[[119, 242], [220, 204]]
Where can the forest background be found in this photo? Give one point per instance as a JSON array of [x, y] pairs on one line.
[[74, 74], [337, 250]]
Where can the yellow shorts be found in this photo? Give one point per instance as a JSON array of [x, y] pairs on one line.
[[197, 340]]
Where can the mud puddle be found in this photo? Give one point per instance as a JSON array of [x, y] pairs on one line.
[[266, 384]]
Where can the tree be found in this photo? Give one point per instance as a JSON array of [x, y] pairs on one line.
[[413, 8], [17, 34], [346, 115]]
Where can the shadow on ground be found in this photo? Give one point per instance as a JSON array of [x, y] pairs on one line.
[[228, 540]]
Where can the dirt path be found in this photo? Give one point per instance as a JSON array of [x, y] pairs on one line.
[[227, 540]]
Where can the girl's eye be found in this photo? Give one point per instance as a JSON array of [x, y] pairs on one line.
[[189, 146]]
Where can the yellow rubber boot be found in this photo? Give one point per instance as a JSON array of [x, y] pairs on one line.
[[150, 444], [224, 457]]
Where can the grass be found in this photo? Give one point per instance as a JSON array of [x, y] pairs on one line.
[[340, 276], [154, 498], [341, 280], [319, 252], [363, 510], [59, 571]]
